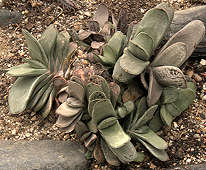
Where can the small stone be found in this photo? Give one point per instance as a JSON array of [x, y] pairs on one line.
[[197, 77], [13, 132], [88, 14], [190, 73], [152, 166], [203, 62], [203, 97], [196, 136], [81, 17], [188, 160], [175, 125]]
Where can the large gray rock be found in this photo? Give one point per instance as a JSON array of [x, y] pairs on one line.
[[41, 155]]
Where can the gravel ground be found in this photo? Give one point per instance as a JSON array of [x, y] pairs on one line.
[[186, 137]]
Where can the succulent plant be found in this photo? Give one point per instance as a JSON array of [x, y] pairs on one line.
[[42, 76], [72, 98], [163, 70], [136, 125], [102, 27], [106, 116]]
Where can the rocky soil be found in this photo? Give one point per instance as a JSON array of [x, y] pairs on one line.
[[186, 137]]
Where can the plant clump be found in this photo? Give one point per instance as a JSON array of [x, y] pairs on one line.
[[147, 88]]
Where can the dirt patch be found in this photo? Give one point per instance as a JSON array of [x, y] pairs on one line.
[[186, 137]]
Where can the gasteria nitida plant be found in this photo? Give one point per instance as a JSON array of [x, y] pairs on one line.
[[97, 109], [42, 76]]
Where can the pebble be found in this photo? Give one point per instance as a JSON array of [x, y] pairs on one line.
[[197, 77], [88, 14], [188, 160], [175, 125], [203, 62]]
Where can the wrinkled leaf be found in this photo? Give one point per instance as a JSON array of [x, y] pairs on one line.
[[169, 76]]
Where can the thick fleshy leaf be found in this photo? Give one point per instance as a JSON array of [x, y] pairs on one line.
[[169, 95], [169, 76], [21, 92], [76, 90], [62, 97], [151, 138], [185, 98], [36, 64], [108, 57], [161, 154], [74, 103], [127, 153], [132, 65], [120, 75], [126, 109], [116, 42], [35, 49], [35, 98], [62, 50], [92, 87], [46, 80], [83, 34], [80, 129], [154, 91], [156, 123], [71, 127], [141, 46], [102, 110], [146, 117], [114, 135], [64, 121], [48, 41], [174, 55], [103, 83], [43, 100], [191, 85], [115, 92], [150, 24], [107, 123], [91, 105], [109, 155], [166, 117], [141, 109], [48, 106], [25, 70], [188, 36], [67, 111], [122, 24], [93, 26], [101, 15], [98, 153], [77, 80], [97, 95]]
